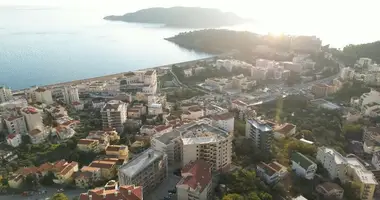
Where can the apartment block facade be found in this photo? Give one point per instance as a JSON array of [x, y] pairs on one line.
[[114, 115], [261, 134]]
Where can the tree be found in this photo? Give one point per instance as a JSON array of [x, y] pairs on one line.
[[233, 197], [59, 196], [48, 179], [265, 196], [353, 131], [253, 196]]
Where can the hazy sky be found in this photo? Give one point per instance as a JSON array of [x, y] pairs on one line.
[[325, 18]]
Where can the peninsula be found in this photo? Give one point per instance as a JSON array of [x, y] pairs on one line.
[[186, 17]]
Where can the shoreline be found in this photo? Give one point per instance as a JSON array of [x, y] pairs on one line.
[[110, 76]]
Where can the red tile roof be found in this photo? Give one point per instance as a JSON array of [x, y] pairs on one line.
[[11, 136], [284, 129], [76, 103], [200, 175], [30, 110], [238, 102], [68, 168], [115, 147], [161, 128], [102, 164], [86, 141], [126, 192]]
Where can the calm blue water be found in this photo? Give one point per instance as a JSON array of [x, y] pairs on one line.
[[46, 44]]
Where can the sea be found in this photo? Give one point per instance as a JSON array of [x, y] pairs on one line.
[[44, 41]]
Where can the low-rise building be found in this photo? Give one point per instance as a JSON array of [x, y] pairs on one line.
[[112, 191], [88, 145], [271, 172], [121, 151], [64, 132], [196, 182], [155, 109], [170, 143], [64, 174], [213, 109], [148, 169], [14, 139], [329, 190], [134, 113], [16, 181], [376, 160], [284, 130], [194, 112], [78, 105], [303, 166], [107, 168]]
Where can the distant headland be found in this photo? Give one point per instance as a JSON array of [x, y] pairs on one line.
[[184, 17]]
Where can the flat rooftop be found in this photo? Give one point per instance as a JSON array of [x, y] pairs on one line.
[[169, 136], [262, 125], [140, 162], [201, 132]]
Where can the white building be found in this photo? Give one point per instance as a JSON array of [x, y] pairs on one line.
[[147, 169], [14, 139], [16, 124], [114, 115], [33, 118], [371, 109], [331, 160], [155, 109], [5, 94], [225, 121], [144, 82], [12, 104], [196, 182], [347, 73], [188, 72], [303, 166], [263, 63], [284, 130], [64, 132], [364, 61], [203, 141], [371, 97], [42, 95], [70, 95], [271, 172], [98, 103]]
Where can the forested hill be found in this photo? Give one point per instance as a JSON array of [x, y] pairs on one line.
[[222, 40], [189, 17], [369, 50]]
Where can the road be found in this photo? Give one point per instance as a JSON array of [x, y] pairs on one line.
[[50, 192]]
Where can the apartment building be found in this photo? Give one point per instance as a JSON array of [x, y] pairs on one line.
[[239, 105], [64, 174], [144, 82], [70, 94], [112, 191], [120, 151], [114, 115], [259, 73], [271, 172], [261, 134], [38, 136], [284, 130], [33, 118], [155, 109], [148, 170], [322, 90], [203, 141], [170, 143], [196, 182], [346, 73], [225, 121], [331, 160], [16, 124], [41, 95], [5, 94], [303, 166]]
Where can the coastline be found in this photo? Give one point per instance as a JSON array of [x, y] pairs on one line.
[[110, 76]]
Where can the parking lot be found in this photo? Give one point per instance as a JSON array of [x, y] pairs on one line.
[[162, 191]]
